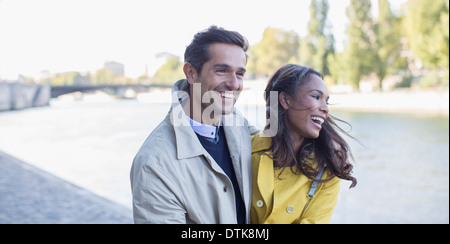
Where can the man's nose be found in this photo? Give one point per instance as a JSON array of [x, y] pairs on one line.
[[233, 83]]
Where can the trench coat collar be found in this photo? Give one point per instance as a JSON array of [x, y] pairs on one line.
[[187, 142]]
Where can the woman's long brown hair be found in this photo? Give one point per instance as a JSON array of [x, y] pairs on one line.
[[329, 156]]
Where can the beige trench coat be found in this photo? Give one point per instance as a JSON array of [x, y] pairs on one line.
[[175, 180]]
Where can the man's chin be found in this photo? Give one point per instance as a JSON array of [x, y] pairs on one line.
[[227, 110]]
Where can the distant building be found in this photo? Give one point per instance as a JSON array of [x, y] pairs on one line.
[[117, 68]]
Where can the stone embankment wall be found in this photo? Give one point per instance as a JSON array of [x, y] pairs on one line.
[[16, 95]]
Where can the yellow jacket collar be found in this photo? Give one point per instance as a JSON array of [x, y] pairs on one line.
[[263, 167], [260, 143]]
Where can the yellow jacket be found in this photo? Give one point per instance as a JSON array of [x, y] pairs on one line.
[[282, 201]]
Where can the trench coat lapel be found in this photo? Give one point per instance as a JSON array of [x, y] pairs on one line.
[[188, 145], [187, 142], [234, 144], [240, 152], [239, 146]]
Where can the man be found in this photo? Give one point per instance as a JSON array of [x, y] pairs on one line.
[[195, 167]]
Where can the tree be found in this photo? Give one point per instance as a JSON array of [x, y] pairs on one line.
[[104, 76], [319, 43], [68, 79], [359, 54], [277, 48], [427, 30], [336, 64], [387, 44], [170, 72]]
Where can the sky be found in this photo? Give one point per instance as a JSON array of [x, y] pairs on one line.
[[81, 35]]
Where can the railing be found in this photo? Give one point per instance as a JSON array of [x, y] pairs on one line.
[[112, 89]]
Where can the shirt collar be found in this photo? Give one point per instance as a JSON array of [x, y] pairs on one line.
[[208, 131]]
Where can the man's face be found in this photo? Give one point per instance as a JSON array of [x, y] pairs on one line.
[[221, 79]]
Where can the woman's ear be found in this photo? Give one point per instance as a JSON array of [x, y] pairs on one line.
[[190, 72], [283, 99]]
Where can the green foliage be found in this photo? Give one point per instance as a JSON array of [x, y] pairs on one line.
[[277, 48], [104, 76], [427, 30], [359, 54], [170, 72], [405, 82], [101, 77], [388, 46], [68, 79], [376, 46], [337, 67], [318, 44], [434, 79]]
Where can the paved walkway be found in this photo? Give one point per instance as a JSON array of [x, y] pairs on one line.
[[29, 195]]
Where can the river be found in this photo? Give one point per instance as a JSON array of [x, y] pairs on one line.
[[401, 160]]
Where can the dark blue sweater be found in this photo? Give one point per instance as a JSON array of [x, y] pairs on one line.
[[219, 151]]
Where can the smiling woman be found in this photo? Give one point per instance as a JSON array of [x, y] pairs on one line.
[[307, 142]]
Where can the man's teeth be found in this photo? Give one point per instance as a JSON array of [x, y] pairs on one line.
[[318, 119], [227, 95]]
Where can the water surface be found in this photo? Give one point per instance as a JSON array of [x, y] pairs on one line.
[[401, 162]]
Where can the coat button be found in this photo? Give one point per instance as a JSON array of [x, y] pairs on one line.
[[259, 203], [290, 209]]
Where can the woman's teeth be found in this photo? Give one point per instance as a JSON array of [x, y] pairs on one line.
[[318, 120]]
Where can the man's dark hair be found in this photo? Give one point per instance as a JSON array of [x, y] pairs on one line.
[[197, 53]]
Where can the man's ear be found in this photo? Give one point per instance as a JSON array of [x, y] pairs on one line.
[[190, 72], [283, 99]]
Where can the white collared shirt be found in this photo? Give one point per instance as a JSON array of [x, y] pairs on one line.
[[208, 131]]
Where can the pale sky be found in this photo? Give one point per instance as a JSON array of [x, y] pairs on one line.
[[80, 35]]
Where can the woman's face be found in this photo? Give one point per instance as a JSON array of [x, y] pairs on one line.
[[307, 112]]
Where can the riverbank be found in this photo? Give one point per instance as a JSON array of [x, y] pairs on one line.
[[15, 95], [401, 101], [29, 195], [397, 101]]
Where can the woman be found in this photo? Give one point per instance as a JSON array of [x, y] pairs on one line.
[[305, 146]]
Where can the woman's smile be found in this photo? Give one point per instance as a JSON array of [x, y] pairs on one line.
[[317, 121]]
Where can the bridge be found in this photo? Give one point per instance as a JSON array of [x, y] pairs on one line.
[[118, 90]]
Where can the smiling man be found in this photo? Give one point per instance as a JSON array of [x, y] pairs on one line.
[[195, 167], [219, 82]]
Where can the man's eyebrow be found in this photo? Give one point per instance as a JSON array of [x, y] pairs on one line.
[[226, 66], [229, 67]]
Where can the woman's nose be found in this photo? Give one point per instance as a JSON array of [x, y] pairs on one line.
[[324, 107]]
